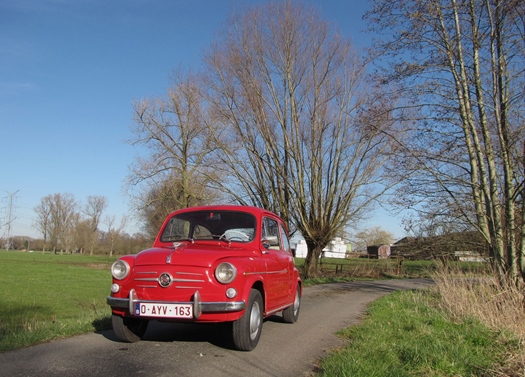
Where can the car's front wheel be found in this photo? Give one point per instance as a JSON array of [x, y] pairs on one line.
[[247, 329], [129, 329], [291, 313]]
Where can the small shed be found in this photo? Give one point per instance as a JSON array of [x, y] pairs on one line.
[[378, 251]]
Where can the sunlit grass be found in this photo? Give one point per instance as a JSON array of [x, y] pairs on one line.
[[405, 334], [469, 324], [47, 296]]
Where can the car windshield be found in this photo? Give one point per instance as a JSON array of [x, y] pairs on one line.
[[210, 225]]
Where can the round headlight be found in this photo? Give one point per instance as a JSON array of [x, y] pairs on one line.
[[120, 269], [225, 272]]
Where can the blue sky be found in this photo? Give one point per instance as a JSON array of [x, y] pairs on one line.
[[69, 73]]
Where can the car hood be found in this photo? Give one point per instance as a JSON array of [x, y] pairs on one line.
[[203, 255]]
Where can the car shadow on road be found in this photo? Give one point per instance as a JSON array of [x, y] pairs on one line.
[[217, 334]]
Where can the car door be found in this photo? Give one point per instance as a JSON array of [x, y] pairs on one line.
[[290, 278], [277, 265]]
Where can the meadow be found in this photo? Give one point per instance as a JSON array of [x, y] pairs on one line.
[[435, 332], [48, 296]]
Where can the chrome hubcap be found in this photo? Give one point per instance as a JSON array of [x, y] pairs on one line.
[[296, 303], [255, 320]]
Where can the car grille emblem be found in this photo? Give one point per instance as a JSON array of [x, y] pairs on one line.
[[165, 279]]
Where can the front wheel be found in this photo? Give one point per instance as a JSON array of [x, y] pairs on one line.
[[247, 329], [129, 330], [291, 313]]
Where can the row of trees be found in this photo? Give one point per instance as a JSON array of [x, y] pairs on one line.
[[68, 226], [107, 243], [288, 116]]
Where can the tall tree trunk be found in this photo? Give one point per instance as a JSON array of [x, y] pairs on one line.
[[312, 259]]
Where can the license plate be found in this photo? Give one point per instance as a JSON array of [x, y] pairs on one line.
[[164, 310]]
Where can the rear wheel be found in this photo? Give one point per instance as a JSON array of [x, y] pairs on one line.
[[129, 329], [291, 313], [247, 329]]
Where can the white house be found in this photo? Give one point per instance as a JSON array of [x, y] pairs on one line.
[[335, 249]]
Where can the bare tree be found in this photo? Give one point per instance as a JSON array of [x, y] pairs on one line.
[[372, 237], [55, 216], [461, 64], [114, 232], [43, 219], [164, 198], [81, 233], [175, 171], [297, 132], [93, 210], [160, 202]]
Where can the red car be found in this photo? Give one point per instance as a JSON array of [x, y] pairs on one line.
[[209, 264]]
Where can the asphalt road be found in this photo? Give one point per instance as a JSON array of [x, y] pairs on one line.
[[206, 350]]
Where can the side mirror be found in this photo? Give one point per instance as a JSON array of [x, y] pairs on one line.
[[270, 241]]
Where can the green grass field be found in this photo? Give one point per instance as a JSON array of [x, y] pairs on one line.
[[46, 296]]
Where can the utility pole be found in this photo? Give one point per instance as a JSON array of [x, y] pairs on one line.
[[10, 213]]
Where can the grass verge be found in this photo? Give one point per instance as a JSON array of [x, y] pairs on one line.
[[432, 333]]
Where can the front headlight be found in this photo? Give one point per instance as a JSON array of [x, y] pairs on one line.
[[225, 272], [120, 269]]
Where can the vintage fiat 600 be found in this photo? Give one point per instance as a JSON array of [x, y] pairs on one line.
[[209, 264]]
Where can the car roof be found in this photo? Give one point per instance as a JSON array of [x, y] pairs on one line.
[[228, 207]]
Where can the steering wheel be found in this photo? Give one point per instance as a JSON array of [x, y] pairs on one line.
[[240, 235]]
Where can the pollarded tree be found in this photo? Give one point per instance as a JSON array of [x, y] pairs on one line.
[[296, 129], [461, 63]]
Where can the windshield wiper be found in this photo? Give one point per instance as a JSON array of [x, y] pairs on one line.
[[221, 238]]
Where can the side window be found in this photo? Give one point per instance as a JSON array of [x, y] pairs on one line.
[[270, 232], [286, 241]]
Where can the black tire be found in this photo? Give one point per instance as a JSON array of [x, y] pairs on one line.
[[247, 329], [127, 329], [291, 313]]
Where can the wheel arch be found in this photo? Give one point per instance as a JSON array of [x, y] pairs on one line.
[[259, 285]]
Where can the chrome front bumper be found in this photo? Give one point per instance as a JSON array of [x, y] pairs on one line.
[[199, 307]]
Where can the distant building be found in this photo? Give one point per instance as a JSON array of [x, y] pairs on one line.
[[335, 249], [459, 246], [469, 256], [378, 251]]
